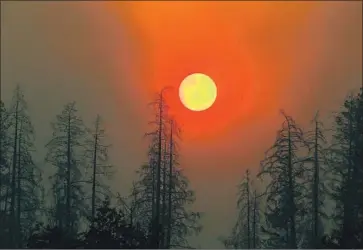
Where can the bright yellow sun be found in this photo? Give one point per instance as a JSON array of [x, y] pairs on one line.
[[197, 92]]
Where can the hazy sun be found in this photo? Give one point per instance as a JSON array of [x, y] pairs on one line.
[[197, 92]]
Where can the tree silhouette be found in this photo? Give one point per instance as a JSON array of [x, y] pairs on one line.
[[5, 171], [25, 175], [157, 213], [183, 221], [245, 233], [316, 176], [284, 192], [65, 152], [152, 173], [158, 137], [346, 165], [162, 194], [256, 218], [129, 205], [241, 233], [97, 154]]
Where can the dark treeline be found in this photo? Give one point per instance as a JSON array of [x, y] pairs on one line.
[[312, 195], [78, 209], [308, 192]]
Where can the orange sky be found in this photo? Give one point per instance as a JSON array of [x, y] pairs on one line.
[[250, 49], [111, 57], [179, 38]]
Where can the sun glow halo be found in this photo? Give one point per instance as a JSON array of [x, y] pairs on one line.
[[197, 92]]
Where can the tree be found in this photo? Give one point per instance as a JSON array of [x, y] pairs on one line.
[[162, 194], [315, 197], [146, 194], [245, 233], [182, 221], [256, 225], [179, 221], [129, 205], [346, 166], [25, 176], [284, 192], [65, 153], [241, 233], [160, 123], [5, 171], [157, 136], [97, 153]]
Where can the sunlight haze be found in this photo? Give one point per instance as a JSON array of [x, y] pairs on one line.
[[113, 57]]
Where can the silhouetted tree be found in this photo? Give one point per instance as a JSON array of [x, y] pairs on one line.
[[315, 195], [183, 221], [25, 176], [284, 192], [162, 193], [5, 171], [256, 218], [151, 175], [146, 193], [138, 206], [241, 233], [180, 220], [346, 165], [65, 153], [97, 154], [245, 233], [159, 135], [129, 205]]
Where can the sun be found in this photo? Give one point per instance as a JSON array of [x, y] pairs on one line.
[[197, 92]]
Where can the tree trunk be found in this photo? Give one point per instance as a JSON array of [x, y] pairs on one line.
[[316, 190], [347, 210], [248, 211], [68, 180], [158, 179], [254, 220], [168, 236], [163, 212], [291, 198], [94, 172], [18, 209], [13, 179]]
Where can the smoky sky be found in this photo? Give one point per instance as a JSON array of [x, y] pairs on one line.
[[60, 52]]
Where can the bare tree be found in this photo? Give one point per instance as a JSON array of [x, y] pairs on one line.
[[97, 154], [316, 175], [156, 151]]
